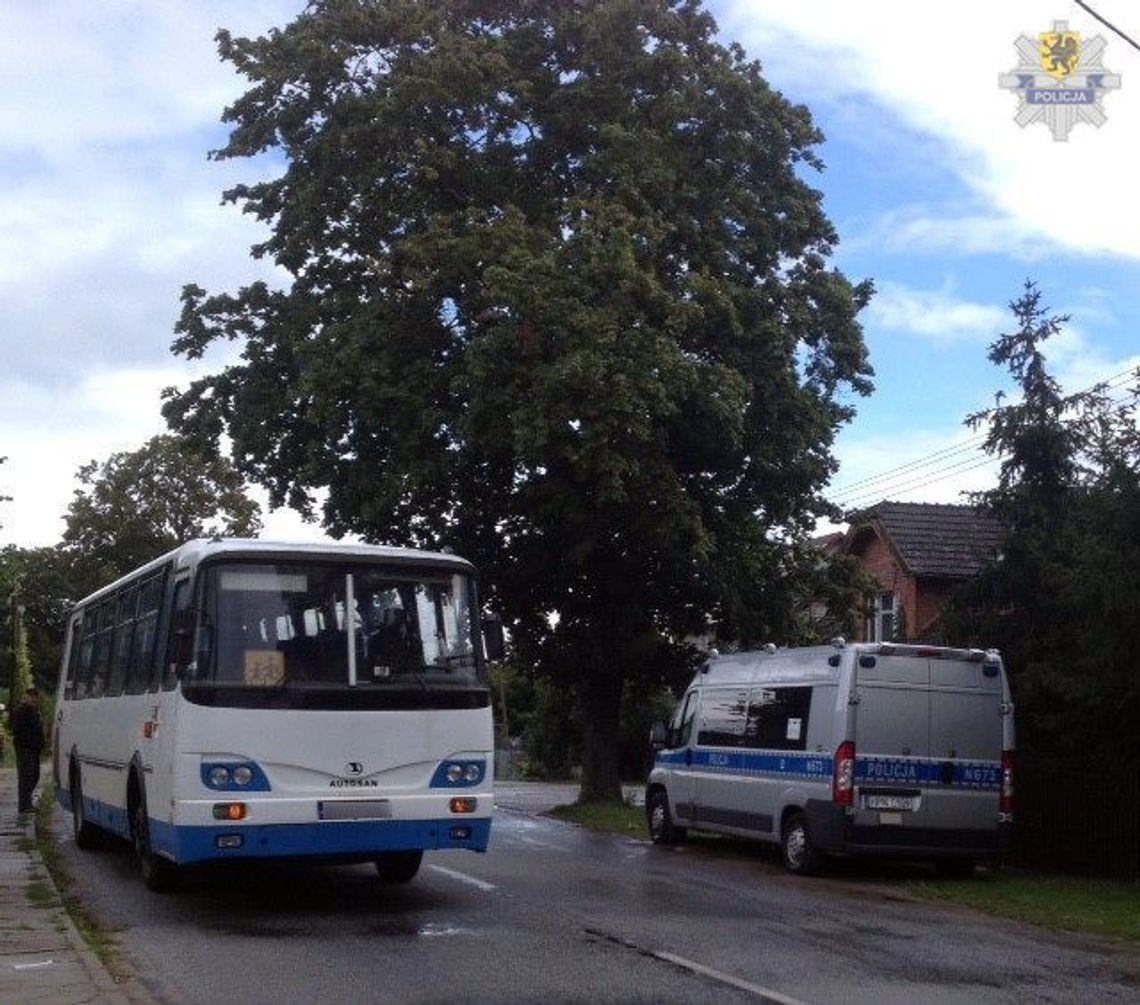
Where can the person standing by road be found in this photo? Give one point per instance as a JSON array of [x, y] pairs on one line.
[[28, 739]]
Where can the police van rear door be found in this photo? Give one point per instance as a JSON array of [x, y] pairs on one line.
[[965, 742], [892, 740]]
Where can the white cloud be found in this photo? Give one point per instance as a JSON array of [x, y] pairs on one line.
[[933, 314], [938, 72], [81, 75]]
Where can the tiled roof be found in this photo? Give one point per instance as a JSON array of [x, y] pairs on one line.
[[947, 541]]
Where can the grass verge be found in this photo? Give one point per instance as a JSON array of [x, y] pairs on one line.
[[100, 938], [612, 817], [1068, 903], [1065, 903]]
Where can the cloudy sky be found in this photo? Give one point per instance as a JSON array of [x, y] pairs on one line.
[[108, 206]]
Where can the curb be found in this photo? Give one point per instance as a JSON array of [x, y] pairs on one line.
[[43, 956]]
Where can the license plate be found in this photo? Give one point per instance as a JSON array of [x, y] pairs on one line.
[[882, 802], [354, 809]]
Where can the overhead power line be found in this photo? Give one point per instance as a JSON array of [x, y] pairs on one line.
[[904, 488], [887, 482], [1108, 24]]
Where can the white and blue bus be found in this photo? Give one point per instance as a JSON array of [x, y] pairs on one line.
[[240, 699]]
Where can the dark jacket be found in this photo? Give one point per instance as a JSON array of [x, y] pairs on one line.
[[27, 727]]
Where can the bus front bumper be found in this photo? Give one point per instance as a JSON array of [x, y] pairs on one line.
[[332, 839]]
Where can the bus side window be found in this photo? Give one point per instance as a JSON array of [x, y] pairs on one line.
[[82, 682], [141, 672], [101, 658], [125, 611], [176, 647], [73, 657]]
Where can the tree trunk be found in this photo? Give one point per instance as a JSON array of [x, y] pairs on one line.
[[601, 713]]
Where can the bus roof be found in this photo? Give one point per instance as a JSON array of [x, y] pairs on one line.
[[192, 553]]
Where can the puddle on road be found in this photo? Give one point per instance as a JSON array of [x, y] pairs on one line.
[[401, 928], [389, 928]]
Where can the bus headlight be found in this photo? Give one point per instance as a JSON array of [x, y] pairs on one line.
[[461, 773], [229, 775]]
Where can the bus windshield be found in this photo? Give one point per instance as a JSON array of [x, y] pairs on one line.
[[330, 628]]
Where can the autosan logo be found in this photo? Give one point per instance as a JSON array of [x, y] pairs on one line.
[[353, 770], [1060, 80]]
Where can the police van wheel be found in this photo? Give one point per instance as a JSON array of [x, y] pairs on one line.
[[661, 827], [799, 855], [398, 866]]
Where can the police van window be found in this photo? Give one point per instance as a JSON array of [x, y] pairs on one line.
[[777, 718], [682, 727], [722, 717]]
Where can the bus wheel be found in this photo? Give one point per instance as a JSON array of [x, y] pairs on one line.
[[661, 827], [398, 866], [86, 833], [799, 854], [158, 874]]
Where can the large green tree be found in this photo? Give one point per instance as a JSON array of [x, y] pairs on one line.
[[137, 504], [44, 583], [1062, 600], [559, 297]]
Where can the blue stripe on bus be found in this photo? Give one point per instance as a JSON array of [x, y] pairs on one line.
[[339, 837], [868, 770]]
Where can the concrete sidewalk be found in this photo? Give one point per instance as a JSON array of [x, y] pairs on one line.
[[43, 959]]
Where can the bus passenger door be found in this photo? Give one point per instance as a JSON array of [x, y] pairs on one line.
[[160, 712]]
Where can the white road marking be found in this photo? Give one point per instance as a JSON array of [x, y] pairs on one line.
[[33, 966], [464, 878], [697, 968]]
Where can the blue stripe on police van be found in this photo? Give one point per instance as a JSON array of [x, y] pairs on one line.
[[740, 762], [901, 771], [923, 771]]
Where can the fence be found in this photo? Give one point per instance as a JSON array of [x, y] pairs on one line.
[[1077, 818]]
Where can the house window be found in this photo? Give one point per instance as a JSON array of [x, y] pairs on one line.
[[880, 627]]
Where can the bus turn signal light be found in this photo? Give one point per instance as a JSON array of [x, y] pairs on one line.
[[229, 811], [463, 804]]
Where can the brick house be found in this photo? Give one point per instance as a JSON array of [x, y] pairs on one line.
[[918, 552]]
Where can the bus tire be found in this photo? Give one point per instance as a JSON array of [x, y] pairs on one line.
[[796, 848], [662, 830], [398, 866], [158, 873], [86, 833]]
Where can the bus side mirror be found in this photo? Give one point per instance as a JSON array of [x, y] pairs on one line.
[[494, 643], [658, 736]]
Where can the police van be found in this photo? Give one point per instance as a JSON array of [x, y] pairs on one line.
[[861, 749]]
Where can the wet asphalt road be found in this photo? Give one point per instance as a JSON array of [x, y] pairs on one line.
[[556, 913]]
